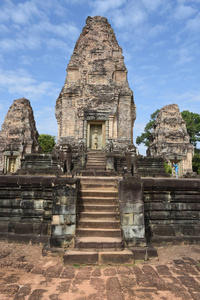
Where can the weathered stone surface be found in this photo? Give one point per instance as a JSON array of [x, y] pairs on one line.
[[96, 91], [31, 209], [172, 211], [132, 211], [171, 140], [18, 135]]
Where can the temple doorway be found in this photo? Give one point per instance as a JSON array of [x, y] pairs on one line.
[[96, 135], [12, 166]]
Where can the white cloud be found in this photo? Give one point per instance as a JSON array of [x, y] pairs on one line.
[[21, 13], [20, 43], [194, 24], [184, 12], [188, 100], [156, 30], [24, 85], [26, 60], [68, 30], [185, 56], [152, 5], [3, 29], [103, 6]]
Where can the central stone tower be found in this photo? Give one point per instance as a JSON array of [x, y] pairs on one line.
[[96, 104]]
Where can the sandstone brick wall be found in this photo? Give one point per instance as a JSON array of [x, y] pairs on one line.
[[172, 210], [34, 209]]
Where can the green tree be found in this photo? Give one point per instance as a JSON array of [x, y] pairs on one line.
[[167, 168], [196, 163], [192, 121], [145, 136], [46, 142]]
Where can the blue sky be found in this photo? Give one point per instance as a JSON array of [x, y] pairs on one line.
[[160, 41]]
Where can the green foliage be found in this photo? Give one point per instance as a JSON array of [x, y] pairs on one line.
[[196, 163], [167, 168], [192, 121], [46, 142], [145, 136]]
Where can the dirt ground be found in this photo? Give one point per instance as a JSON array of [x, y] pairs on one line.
[[26, 274]]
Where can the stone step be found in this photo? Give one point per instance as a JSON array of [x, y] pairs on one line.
[[80, 257], [98, 173], [101, 258], [116, 257], [96, 163], [94, 158], [100, 181], [96, 185], [99, 184], [99, 243], [98, 200], [99, 215], [96, 167], [98, 193], [98, 208], [103, 223], [96, 232], [95, 153]]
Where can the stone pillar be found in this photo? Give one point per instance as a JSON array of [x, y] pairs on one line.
[[107, 130], [110, 161], [85, 132], [111, 127], [131, 206]]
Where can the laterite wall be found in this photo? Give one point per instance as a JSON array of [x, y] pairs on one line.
[[37, 209], [172, 210]]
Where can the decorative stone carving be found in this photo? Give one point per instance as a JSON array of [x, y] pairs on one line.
[[65, 155], [171, 140], [96, 91], [18, 135], [132, 159], [109, 146]]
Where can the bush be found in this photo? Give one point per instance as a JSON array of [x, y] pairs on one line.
[[167, 168], [46, 142], [196, 163]]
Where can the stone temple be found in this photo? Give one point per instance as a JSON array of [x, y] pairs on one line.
[[18, 136], [96, 103], [90, 199], [171, 140]]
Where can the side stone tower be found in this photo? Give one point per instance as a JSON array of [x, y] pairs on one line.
[[18, 135], [96, 103], [171, 140]]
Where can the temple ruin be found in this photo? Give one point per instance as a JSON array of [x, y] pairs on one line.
[[96, 104], [171, 140], [90, 199], [18, 136]]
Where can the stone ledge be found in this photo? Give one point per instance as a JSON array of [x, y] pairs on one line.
[[24, 238], [175, 240], [171, 184]]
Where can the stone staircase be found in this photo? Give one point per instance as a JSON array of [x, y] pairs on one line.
[[96, 165], [98, 233], [96, 160]]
